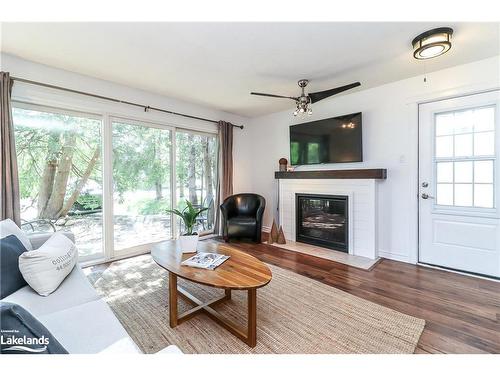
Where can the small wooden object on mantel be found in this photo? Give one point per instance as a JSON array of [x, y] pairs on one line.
[[273, 235], [281, 237], [283, 164]]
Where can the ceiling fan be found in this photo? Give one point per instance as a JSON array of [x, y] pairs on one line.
[[304, 100]]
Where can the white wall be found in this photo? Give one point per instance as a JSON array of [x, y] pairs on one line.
[[390, 134], [38, 72]]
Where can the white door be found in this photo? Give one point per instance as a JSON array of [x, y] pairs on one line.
[[459, 184]]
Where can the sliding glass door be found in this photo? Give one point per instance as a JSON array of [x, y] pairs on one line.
[[60, 174], [141, 185], [110, 180], [196, 175]]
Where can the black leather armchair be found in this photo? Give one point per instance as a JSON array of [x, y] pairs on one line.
[[242, 216]]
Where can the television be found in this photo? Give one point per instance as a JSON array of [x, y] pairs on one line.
[[333, 140]]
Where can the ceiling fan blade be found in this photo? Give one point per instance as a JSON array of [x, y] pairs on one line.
[[273, 96], [320, 95]]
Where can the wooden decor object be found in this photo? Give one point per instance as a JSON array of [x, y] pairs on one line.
[[283, 164], [281, 237], [273, 235]]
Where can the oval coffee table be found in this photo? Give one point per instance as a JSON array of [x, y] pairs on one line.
[[240, 272]]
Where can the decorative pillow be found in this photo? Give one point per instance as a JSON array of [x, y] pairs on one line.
[[8, 227], [10, 276], [44, 269], [21, 333]]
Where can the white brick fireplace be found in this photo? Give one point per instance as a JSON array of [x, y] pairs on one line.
[[362, 208]]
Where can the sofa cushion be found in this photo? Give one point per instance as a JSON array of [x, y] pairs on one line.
[[8, 227], [10, 276], [22, 333], [89, 328], [75, 290], [45, 269]]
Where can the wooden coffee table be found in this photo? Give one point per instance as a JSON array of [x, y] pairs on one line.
[[240, 272]]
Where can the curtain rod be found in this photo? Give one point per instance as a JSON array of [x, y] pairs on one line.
[[146, 107]]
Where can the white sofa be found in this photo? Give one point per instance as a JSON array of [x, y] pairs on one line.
[[75, 314]]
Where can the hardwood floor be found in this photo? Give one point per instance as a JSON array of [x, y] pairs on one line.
[[462, 313]]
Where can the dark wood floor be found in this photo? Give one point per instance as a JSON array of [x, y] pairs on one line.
[[462, 313]]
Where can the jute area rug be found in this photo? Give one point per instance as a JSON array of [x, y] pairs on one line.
[[295, 314]]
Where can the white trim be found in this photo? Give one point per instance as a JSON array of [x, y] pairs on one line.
[[458, 272], [107, 170], [392, 256]]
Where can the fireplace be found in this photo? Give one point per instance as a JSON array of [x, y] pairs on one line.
[[322, 220]]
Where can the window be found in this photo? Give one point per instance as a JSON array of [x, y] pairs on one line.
[[196, 175], [465, 157], [61, 171], [60, 174], [141, 184], [313, 153]]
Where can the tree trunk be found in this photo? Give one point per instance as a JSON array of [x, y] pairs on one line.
[[81, 183], [46, 186], [49, 172], [158, 189], [158, 167], [192, 171], [208, 170], [56, 200]]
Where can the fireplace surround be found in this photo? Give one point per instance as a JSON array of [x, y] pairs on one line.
[[322, 220]]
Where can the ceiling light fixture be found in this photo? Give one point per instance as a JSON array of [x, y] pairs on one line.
[[432, 43], [303, 101]]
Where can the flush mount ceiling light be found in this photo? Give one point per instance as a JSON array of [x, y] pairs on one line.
[[432, 43]]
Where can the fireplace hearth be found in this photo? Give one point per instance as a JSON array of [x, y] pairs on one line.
[[322, 220]]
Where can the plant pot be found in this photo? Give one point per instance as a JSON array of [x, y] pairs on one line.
[[188, 244]]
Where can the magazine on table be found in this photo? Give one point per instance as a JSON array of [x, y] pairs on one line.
[[208, 261]]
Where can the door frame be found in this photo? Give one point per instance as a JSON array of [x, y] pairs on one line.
[[413, 104]]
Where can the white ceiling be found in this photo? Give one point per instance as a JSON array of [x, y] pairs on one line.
[[218, 64]]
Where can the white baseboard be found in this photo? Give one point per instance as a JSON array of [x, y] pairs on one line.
[[266, 229], [392, 256]]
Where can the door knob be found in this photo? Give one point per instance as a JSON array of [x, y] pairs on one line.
[[427, 196]]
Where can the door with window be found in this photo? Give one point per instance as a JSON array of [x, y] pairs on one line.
[[458, 184]]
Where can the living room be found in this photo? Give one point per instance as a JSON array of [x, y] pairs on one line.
[[195, 187]]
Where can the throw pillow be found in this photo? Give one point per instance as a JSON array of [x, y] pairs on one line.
[[45, 269], [8, 227], [10, 276], [22, 333]]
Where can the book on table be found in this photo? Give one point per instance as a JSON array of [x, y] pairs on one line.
[[208, 261]]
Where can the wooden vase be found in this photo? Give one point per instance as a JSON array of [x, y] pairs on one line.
[[273, 235], [281, 237]]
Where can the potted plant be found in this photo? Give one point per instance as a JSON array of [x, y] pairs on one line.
[[189, 240]]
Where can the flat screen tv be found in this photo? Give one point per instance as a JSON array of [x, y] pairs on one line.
[[333, 140]]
